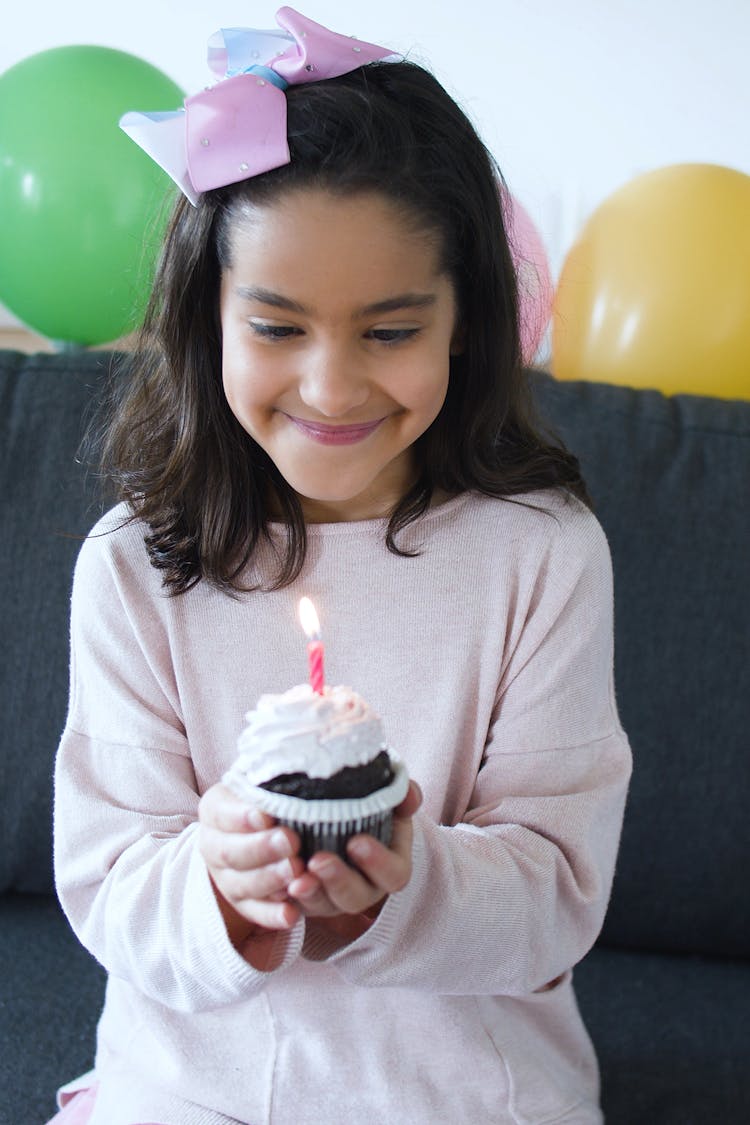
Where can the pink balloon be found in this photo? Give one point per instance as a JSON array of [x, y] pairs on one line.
[[535, 289]]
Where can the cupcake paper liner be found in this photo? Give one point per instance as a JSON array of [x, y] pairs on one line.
[[327, 825], [334, 837]]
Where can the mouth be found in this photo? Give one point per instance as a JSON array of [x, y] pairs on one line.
[[325, 434]]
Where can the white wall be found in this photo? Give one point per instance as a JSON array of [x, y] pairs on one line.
[[574, 97]]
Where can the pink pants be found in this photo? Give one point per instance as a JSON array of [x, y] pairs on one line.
[[79, 1109]]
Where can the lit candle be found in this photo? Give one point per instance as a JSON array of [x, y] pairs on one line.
[[310, 624]]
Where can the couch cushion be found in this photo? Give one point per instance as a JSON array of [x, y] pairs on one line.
[[52, 994], [670, 478], [671, 1036], [47, 505]]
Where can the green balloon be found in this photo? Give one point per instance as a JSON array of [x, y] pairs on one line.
[[82, 208]]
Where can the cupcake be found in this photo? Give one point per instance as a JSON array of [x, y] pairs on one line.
[[319, 764]]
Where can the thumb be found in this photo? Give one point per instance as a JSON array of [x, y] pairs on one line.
[[411, 801]]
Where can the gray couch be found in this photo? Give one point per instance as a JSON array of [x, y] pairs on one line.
[[666, 991]]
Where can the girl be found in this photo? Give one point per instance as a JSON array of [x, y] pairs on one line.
[[328, 399]]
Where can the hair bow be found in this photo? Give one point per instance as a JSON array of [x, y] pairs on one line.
[[236, 128]]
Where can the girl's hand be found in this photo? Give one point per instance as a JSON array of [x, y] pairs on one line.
[[330, 887], [251, 862]]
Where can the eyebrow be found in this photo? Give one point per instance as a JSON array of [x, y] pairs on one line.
[[390, 304]]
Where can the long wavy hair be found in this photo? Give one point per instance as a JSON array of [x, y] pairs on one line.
[[172, 447]]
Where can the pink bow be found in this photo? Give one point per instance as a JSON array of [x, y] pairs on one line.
[[237, 128]]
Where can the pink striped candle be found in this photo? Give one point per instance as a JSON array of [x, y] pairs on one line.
[[315, 650]]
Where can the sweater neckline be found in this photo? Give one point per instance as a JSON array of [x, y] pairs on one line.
[[376, 525]]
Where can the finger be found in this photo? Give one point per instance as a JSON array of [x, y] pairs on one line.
[[308, 891], [245, 851], [378, 870], [260, 883], [269, 915], [347, 889], [220, 808], [386, 869], [279, 896]]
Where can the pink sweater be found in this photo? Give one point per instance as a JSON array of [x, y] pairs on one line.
[[489, 658]]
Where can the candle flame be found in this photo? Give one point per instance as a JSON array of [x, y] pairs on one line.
[[309, 619]]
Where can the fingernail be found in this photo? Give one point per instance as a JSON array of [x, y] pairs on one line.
[[256, 819], [285, 870], [324, 867], [280, 844], [361, 849], [307, 892]]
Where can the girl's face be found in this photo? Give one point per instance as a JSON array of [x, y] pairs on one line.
[[337, 332]]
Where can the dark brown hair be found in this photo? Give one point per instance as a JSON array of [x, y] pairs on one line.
[[173, 448]]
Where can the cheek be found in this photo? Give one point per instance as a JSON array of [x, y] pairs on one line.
[[245, 379], [233, 387], [241, 393], [429, 385]]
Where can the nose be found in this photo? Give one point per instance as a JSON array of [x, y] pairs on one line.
[[332, 382]]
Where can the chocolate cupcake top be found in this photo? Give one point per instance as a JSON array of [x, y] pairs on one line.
[[302, 732]]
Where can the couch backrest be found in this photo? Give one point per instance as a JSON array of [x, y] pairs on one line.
[[47, 506], [670, 481]]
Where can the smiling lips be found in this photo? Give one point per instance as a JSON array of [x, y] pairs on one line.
[[335, 435]]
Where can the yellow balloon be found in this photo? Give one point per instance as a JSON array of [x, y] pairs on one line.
[[656, 291]]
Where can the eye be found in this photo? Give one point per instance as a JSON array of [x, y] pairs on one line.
[[392, 335], [273, 331]]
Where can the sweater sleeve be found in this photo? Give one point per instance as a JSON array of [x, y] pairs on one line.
[[514, 894], [129, 873]]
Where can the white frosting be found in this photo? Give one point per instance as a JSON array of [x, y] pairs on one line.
[[302, 732]]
